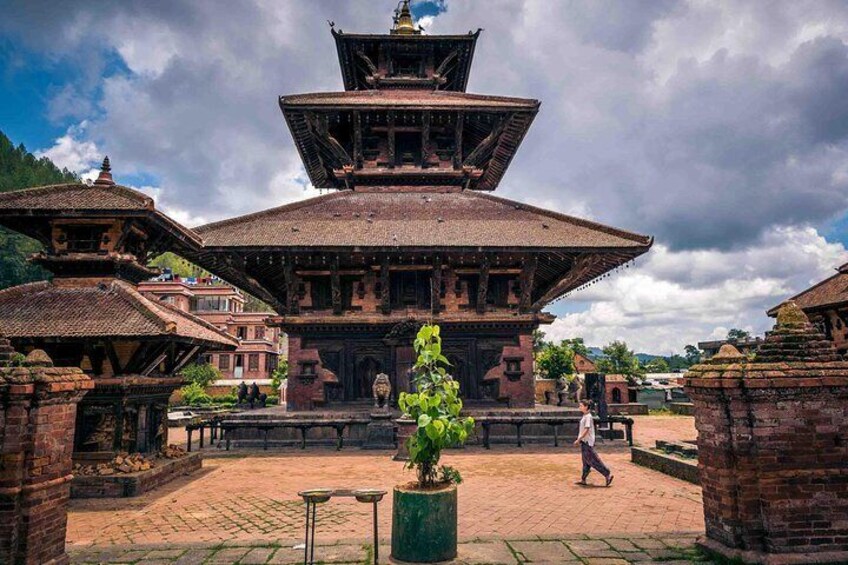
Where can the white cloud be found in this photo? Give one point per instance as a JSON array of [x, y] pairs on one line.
[[673, 298], [72, 153]]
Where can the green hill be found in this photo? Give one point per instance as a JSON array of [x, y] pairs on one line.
[[21, 169]]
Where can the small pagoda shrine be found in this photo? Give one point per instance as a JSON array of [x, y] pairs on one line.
[[410, 232], [97, 242]]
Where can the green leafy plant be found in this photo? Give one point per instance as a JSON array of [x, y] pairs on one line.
[[194, 395], [201, 374], [280, 374], [435, 407]]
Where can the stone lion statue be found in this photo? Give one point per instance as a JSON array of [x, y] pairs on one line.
[[382, 389]]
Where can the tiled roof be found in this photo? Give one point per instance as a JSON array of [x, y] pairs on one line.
[[829, 292], [82, 200], [80, 309], [377, 219], [414, 99]]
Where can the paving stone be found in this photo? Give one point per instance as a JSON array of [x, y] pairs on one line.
[[194, 557], [485, 553], [637, 556], [155, 562], [664, 554], [343, 553], [541, 551], [649, 543], [228, 556], [591, 548], [606, 561], [257, 556], [164, 553], [121, 556], [621, 544]]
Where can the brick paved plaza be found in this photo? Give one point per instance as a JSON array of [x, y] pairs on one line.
[[508, 494]]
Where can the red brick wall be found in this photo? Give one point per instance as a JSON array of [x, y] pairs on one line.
[[519, 393], [773, 446], [38, 415], [622, 390]]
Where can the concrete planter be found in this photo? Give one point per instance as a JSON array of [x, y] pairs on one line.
[[424, 524]]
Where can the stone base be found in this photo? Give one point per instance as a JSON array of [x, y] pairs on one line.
[[716, 549], [629, 409], [682, 408], [666, 464], [380, 432], [135, 484]]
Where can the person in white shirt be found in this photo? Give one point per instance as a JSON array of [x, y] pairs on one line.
[[586, 441]]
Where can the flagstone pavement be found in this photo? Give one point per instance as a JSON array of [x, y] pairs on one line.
[[243, 508]]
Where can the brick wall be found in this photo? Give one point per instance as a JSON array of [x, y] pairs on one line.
[[36, 443], [773, 446]]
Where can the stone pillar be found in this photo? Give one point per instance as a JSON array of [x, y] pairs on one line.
[[773, 447], [36, 444]]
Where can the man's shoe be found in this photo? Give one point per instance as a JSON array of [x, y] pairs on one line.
[[609, 480], [581, 483]]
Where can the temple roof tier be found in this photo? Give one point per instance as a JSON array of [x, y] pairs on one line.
[[831, 292], [68, 309], [401, 137]]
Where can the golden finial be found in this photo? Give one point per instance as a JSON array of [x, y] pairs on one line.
[[403, 24]]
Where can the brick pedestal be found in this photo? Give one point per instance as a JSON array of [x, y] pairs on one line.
[[36, 441], [773, 447]]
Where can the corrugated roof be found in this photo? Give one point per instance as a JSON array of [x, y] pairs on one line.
[[378, 219], [81, 309]]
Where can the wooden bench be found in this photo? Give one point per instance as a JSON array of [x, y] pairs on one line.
[[227, 426], [518, 421]]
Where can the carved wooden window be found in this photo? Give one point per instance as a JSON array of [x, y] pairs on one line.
[[410, 289], [253, 362], [224, 362], [84, 239], [308, 368], [241, 332], [322, 296], [259, 332], [497, 293], [408, 65], [513, 365]]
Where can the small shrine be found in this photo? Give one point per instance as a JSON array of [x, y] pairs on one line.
[[98, 240]]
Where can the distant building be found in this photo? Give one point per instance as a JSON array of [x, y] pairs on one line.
[[260, 347], [583, 364], [616, 389], [745, 346], [826, 305]]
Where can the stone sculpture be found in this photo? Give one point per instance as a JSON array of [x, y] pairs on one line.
[[382, 389]]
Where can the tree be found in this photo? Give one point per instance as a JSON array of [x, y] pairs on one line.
[[737, 334], [200, 374], [555, 360], [620, 360], [657, 365], [539, 342], [576, 345], [281, 373], [692, 353], [677, 362]]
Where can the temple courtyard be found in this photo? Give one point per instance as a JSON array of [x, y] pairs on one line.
[[516, 505]]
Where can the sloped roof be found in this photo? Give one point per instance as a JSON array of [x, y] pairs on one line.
[[82, 309], [829, 292], [82, 200], [413, 99], [377, 219]]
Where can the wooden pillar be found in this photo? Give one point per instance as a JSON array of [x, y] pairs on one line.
[[425, 138], [336, 287], [457, 138], [483, 285], [293, 306], [528, 273], [436, 286], [385, 291], [390, 132], [357, 140]]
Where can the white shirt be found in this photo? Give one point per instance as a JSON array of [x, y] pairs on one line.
[[587, 423]]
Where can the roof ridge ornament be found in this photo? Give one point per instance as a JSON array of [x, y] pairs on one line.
[[105, 176], [403, 22]]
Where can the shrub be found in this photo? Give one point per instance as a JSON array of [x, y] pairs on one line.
[[194, 395], [225, 399], [280, 374], [435, 408], [202, 374]]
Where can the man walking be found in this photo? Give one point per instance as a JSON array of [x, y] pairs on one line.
[[586, 440]]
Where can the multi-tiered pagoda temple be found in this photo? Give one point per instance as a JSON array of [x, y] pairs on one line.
[[411, 231]]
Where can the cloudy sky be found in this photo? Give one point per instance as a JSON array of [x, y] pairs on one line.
[[720, 128]]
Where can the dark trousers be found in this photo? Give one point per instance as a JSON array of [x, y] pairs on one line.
[[592, 461]]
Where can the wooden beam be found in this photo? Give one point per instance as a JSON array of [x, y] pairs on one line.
[[425, 138], [385, 291], [528, 274], [483, 285], [390, 120], [336, 287], [457, 139], [113, 357], [436, 286], [358, 158]]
